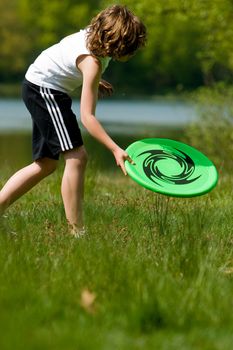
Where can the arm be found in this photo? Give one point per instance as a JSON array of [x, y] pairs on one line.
[[91, 71]]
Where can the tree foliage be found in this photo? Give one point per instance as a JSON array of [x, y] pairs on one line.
[[189, 41]]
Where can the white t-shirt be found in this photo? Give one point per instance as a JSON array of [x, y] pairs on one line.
[[55, 67]]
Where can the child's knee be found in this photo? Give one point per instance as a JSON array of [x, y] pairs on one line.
[[46, 165], [77, 157], [83, 157], [81, 161]]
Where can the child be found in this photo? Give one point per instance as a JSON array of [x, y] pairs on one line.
[[78, 59]]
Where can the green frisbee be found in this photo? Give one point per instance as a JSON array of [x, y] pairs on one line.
[[171, 168]]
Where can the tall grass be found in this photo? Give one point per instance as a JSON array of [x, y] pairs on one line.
[[152, 273]]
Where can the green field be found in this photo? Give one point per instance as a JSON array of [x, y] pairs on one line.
[[152, 273]]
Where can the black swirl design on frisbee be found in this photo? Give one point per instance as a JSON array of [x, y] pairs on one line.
[[151, 168]]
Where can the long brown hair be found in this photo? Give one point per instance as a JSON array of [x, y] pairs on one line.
[[115, 32]]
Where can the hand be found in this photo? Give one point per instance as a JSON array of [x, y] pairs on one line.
[[105, 88], [121, 156]]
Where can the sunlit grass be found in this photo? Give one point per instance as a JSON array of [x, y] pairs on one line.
[[158, 271]]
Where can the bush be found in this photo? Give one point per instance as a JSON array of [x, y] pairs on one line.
[[212, 133]]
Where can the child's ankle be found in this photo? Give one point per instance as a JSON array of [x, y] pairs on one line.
[[76, 230]]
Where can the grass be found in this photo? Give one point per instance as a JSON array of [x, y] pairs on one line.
[[153, 273]]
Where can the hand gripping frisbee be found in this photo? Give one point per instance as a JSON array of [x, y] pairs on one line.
[[170, 167]]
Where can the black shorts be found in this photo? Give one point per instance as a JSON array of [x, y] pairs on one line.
[[55, 128]]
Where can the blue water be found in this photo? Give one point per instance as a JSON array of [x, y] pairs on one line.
[[114, 114]]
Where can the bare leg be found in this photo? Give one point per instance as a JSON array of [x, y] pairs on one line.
[[72, 188], [23, 180]]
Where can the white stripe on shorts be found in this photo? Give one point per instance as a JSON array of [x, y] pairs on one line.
[[57, 119]]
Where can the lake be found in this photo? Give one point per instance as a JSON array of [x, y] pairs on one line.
[[117, 116]]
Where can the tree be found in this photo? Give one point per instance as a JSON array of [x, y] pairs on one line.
[[189, 41], [14, 47]]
